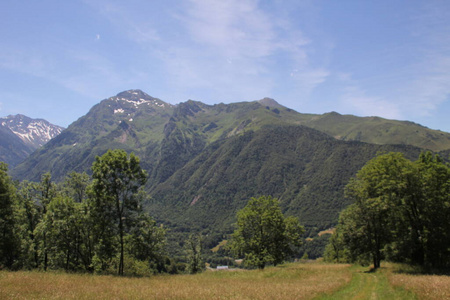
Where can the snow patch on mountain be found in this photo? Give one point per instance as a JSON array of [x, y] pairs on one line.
[[34, 132]]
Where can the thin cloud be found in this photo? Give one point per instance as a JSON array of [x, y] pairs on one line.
[[418, 87], [234, 48], [127, 19], [355, 100]]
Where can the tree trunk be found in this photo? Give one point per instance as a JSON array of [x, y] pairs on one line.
[[121, 246]]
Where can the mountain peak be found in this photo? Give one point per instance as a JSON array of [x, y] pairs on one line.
[[133, 93], [21, 135], [138, 97], [35, 132], [270, 102]]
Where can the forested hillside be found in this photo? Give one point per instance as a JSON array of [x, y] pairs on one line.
[[205, 161]]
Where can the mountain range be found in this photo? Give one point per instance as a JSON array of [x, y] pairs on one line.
[[205, 161], [21, 135]]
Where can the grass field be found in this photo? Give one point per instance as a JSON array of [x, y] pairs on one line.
[[291, 281], [434, 287]]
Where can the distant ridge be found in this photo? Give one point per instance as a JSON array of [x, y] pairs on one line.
[[21, 135]]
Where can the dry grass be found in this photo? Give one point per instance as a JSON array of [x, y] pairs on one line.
[[327, 231], [425, 286], [293, 281]]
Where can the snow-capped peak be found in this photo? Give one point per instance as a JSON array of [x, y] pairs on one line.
[[34, 132]]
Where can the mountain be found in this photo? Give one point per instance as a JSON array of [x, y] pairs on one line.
[[381, 131], [21, 135], [205, 161]]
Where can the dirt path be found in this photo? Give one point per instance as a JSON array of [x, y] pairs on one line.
[[371, 286]]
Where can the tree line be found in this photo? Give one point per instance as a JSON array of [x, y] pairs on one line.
[[97, 224], [400, 212], [91, 224]]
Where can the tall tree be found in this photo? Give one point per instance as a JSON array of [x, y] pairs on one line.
[[431, 214], [366, 224], [75, 186], [117, 178], [263, 234], [8, 240], [193, 248], [400, 211], [28, 216], [46, 191], [146, 240]]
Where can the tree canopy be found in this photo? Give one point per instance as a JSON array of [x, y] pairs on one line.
[[81, 224], [263, 235], [400, 212]]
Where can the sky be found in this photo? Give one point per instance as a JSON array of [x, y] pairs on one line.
[[387, 58]]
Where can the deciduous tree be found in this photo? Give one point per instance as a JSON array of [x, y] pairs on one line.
[[117, 178], [263, 234]]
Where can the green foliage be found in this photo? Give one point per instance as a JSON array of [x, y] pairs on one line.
[[28, 214], [193, 248], [117, 179], [146, 241], [263, 234], [400, 212], [8, 240], [83, 226], [205, 161]]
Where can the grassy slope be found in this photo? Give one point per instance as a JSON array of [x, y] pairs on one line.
[[377, 130]]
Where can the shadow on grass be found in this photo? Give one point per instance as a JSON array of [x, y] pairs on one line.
[[371, 270], [421, 270]]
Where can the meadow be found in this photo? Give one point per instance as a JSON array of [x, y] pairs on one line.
[[290, 281]]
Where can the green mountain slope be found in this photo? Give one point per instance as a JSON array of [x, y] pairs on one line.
[[132, 120], [304, 168], [12, 149], [377, 130], [205, 161]]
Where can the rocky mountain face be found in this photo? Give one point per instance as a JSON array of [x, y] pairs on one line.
[[205, 161], [21, 135]]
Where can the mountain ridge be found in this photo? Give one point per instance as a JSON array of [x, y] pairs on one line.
[[21, 135], [205, 161], [190, 126]]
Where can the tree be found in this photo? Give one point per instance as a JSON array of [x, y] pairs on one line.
[[75, 186], [400, 212], [117, 178], [193, 248], [431, 214], [367, 224], [9, 244], [46, 190], [28, 215], [146, 240], [263, 234]]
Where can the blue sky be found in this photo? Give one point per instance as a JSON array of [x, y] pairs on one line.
[[388, 58]]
